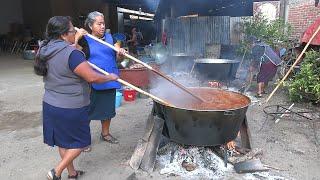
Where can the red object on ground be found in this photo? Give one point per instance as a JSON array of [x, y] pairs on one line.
[[309, 32], [129, 94]]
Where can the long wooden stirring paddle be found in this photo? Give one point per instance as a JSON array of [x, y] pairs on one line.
[[147, 66], [294, 64], [132, 86]]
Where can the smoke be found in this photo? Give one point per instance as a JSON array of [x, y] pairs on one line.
[[183, 69], [169, 92]]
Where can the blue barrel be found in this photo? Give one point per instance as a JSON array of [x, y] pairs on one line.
[[118, 99]]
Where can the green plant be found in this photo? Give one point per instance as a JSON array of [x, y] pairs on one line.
[[275, 33], [305, 86]]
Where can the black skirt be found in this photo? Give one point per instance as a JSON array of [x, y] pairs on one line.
[[267, 72], [102, 104]]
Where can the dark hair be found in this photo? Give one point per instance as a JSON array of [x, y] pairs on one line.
[[252, 39], [57, 26]]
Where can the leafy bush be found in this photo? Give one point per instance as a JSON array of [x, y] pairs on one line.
[[274, 33], [305, 86]]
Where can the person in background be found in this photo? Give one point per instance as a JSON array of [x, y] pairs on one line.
[[265, 60], [102, 106], [66, 100], [164, 38], [134, 41]]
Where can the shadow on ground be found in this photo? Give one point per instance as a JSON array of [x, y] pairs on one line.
[[17, 120]]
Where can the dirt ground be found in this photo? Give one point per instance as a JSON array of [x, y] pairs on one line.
[[292, 145]]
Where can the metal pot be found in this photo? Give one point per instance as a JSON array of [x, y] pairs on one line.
[[216, 69], [181, 62], [202, 127], [137, 77]]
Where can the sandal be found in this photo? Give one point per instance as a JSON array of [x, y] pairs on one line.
[[87, 149], [51, 175], [79, 173], [109, 138], [258, 96]]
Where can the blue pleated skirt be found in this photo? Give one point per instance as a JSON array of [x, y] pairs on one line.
[[65, 127]]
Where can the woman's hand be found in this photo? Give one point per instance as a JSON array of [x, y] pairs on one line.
[[122, 51], [80, 33]]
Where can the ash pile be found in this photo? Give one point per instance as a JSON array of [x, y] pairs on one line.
[[192, 161], [195, 162]]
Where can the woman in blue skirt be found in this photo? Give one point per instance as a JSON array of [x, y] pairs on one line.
[[66, 100]]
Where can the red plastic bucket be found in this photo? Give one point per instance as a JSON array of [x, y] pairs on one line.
[[129, 94]]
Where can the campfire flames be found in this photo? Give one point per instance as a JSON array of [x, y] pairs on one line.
[[231, 145]]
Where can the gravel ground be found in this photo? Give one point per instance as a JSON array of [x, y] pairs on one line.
[[292, 144], [289, 145]]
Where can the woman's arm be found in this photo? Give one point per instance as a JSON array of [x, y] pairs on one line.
[[120, 52], [79, 65], [85, 71], [133, 38]]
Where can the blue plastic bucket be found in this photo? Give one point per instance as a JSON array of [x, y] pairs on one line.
[[118, 99]]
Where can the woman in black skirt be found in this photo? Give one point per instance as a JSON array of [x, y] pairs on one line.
[[266, 61], [103, 95], [66, 99]]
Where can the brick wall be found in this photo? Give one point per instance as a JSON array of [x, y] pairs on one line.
[[302, 13]]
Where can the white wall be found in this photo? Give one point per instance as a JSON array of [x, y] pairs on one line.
[[10, 12]]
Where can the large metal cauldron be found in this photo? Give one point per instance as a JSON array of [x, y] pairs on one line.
[[202, 127], [217, 69], [181, 62]]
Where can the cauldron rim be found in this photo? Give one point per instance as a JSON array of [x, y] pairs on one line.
[[134, 69], [181, 55], [211, 110], [215, 61]]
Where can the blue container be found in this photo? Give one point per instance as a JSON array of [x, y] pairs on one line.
[[118, 99], [119, 37]]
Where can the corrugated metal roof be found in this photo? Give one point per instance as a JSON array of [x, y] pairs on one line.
[[234, 8]]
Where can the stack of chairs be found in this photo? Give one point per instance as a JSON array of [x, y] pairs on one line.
[[12, 46]]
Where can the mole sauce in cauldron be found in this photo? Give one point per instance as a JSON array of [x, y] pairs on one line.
[[215, 99]]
